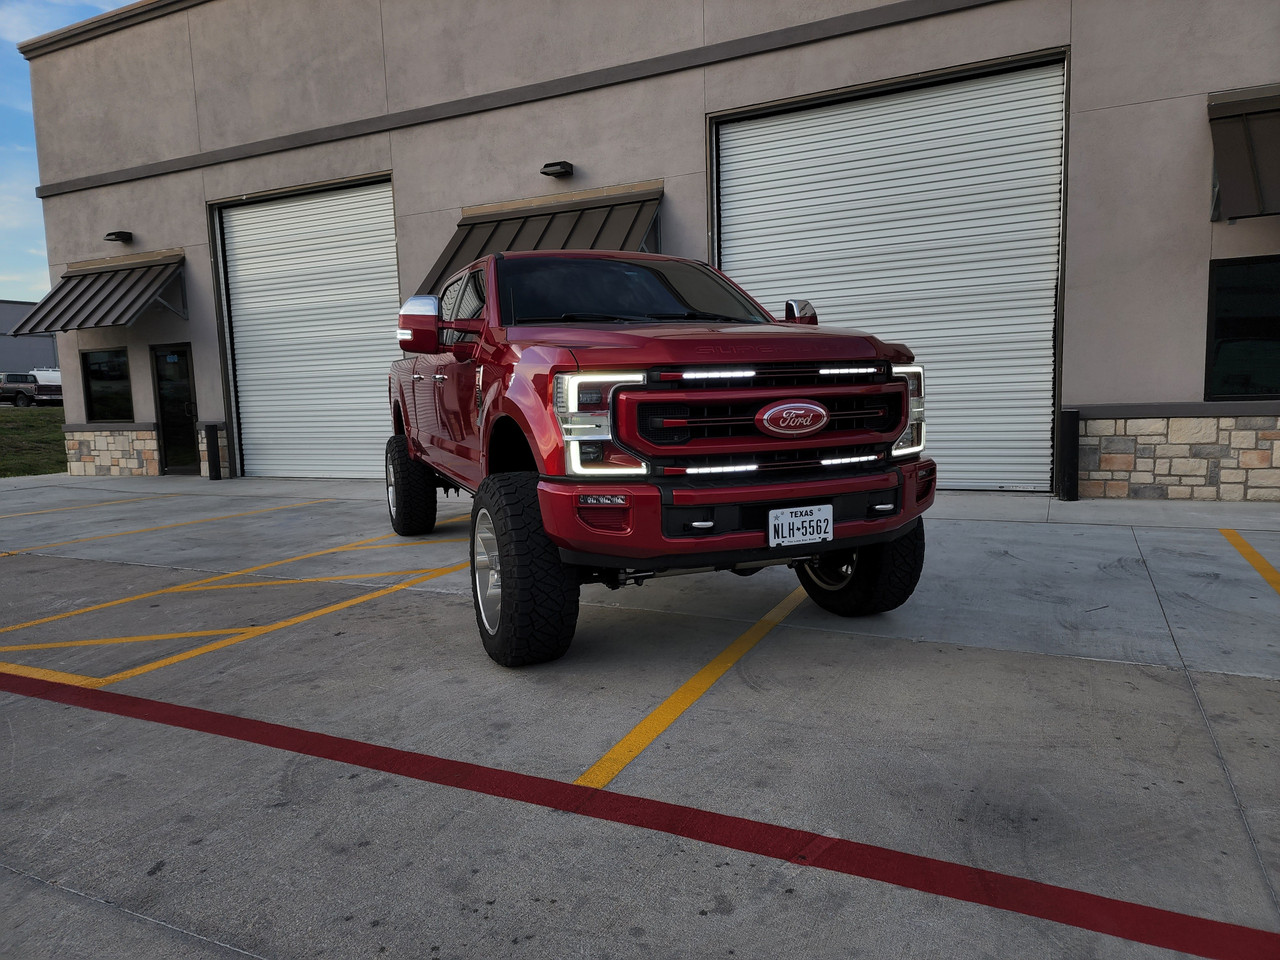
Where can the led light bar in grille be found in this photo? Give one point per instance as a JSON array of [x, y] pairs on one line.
[[741, 468], [717, 374], [841, 461]]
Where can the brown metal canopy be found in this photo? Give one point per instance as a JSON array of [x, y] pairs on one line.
[[108, 295], [624, 221], [1245, 126]]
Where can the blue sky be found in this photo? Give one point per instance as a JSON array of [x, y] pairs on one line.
[[24, 269]]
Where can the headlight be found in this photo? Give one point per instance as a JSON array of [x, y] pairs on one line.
[[912, 440], [581, 404]]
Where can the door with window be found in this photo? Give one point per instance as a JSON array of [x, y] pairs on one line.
[[175, 409], [445, 382]]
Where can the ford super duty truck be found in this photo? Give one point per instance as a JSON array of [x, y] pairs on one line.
[[619, 417]]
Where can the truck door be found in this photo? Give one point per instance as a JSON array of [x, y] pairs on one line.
[[427, 431], [456, 392]]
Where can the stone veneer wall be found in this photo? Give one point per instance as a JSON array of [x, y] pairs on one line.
[[113, 453], [1181, 458]]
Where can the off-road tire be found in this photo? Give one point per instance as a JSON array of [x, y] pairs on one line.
[[411, 491], [526, 602], [21, 399], [871, 579]]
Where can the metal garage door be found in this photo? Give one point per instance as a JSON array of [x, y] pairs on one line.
[[930, 217], [313, 296]]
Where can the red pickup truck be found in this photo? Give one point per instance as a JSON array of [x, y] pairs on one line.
[[623, 416]]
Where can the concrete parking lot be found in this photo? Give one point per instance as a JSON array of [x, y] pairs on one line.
[[244, 719]]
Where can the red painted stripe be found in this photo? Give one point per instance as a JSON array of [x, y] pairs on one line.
[[1087, 911]]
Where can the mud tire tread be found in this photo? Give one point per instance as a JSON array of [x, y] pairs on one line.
[[415, 487], [884, 577], [539, 607]]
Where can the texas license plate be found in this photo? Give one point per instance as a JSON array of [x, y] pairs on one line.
[[792, 525]]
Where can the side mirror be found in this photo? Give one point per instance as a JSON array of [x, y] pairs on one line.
[[801, 311], [419, 327]]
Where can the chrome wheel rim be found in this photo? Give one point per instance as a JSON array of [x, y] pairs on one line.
[[391, 488], [487, 571]]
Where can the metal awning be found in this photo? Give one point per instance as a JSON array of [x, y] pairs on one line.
[[1245, 126], [623, 221], [113, 294]]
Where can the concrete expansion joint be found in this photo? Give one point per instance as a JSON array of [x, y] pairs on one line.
[[1241, 811], [62, 888]]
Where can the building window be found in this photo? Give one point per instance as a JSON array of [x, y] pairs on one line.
[[107, 392], [1244, 330]]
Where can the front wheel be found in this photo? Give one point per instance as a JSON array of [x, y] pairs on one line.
[[871, 579], [526, 600], [22, 400]]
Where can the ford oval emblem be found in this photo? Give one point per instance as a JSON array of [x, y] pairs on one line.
[[792, 418]]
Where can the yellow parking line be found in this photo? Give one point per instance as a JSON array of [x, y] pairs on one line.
[[167, 526], [404, 543], [269, 628], [235, 635], [652, 726], [75, 613], [183, 586], [1256, 560], [89, 506], [275, 563], [108, 641], [292, 582], [74, 679]]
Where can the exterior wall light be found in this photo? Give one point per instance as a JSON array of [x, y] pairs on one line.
[[558, 168], [119, 236]]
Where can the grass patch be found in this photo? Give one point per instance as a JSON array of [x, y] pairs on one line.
[[31, 441]]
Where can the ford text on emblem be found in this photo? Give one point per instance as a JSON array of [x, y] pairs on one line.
[[792, 418]]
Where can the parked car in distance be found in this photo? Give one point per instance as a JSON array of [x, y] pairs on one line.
[[20, 389], [48, 384]]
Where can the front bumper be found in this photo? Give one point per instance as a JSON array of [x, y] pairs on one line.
[[665, 527]]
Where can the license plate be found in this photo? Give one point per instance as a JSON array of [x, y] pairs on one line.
[[792, 525]]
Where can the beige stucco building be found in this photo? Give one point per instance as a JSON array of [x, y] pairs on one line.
[[1069, 208]]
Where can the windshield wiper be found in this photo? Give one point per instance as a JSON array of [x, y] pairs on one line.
[[586, 318], [702, 315]]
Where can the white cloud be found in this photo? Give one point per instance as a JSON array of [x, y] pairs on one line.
[[24, 267], [19, 206], [24, 285], [24, 271]]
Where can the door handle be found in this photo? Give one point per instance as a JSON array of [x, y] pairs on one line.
[[418, 376], [439, 377]]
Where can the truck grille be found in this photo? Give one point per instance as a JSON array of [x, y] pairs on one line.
[[676, 423], [703, 421]]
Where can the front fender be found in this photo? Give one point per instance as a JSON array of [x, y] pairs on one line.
[[527, 407], [400, 404]]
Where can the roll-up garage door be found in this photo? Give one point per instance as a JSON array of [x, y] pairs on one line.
[[312, 297], [930, 217]]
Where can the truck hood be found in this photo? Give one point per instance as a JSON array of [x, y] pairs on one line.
[[660, 344]]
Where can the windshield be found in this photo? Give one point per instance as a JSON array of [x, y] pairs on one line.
[[584, 290]]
